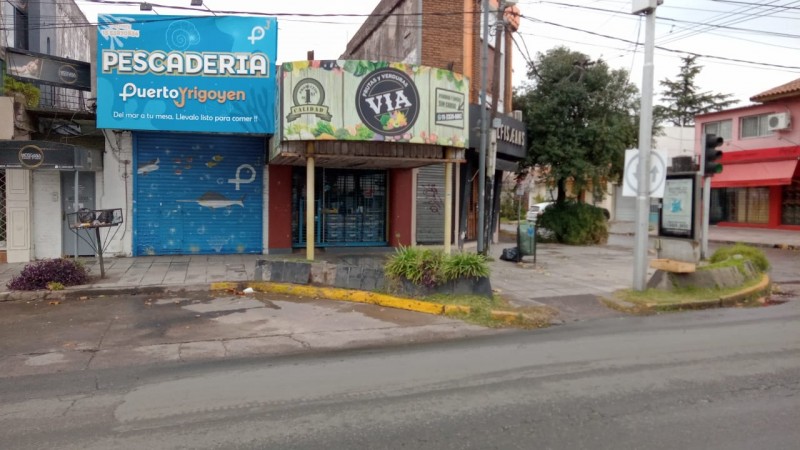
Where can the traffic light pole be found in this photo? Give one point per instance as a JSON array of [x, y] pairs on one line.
[[706, 216], [710, 166], [640, 260]]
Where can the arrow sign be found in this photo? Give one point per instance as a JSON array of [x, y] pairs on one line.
[[658, 173]]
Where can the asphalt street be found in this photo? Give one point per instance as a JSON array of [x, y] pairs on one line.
[[715, 379]]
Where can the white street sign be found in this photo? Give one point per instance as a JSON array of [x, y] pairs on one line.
[[658, 173]]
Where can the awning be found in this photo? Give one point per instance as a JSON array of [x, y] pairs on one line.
[[769, 173]]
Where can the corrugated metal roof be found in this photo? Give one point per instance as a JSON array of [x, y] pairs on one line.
[[790, 89]]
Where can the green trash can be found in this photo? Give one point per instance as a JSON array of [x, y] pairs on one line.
[[527, 238]]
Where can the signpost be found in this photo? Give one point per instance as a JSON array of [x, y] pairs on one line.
[[657, 174]]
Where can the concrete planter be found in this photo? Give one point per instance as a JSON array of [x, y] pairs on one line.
[[464, 286], [361, 278], [716, 278]]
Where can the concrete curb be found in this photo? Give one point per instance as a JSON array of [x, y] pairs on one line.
[[373, 298], [762, 288], [77, 292]]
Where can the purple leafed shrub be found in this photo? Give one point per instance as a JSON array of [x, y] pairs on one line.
[[37, 274]]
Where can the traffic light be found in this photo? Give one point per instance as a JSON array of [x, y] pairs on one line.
[[711, 157]]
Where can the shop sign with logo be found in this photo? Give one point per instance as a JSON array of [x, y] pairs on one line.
[[48, 69], [48, 155], [192, 73], [373, 101]]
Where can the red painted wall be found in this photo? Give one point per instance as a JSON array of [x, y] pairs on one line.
[[401, 201], [280, 208]]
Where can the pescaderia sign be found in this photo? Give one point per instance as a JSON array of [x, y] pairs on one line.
[[355, 100], [192, 73]]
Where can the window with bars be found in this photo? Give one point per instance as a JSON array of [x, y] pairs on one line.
[[350, 207], [2, 209], [790, 204]]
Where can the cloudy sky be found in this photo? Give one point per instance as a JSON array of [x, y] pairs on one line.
[[743, 43]]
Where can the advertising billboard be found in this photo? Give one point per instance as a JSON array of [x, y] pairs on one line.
[[48, 69], [373, 101], [186, 73]]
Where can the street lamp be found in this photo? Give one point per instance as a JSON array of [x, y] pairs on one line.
[[145, 6]]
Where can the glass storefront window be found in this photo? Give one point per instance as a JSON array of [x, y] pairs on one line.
[[740, 205], [350, 207], [790, 204]]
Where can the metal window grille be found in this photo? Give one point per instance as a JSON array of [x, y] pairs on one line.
[[790, 204], [350, 207], [2, 209]]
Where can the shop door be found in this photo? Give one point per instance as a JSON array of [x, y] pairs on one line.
[[86, 199], [430, 204], [197, 194], [350, 208]]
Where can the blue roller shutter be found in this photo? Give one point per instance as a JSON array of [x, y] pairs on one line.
[[197, 194]]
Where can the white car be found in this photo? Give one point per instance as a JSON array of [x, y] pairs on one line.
[[536, 210]]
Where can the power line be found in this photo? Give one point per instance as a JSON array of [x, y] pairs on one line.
[[721, 58], [668, 19], [769, 11], [784, 7]]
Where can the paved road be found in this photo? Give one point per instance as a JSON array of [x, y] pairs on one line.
[[717, 379]]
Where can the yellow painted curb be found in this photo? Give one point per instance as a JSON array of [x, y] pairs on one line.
[[508, 316], [745, 293], [373, 298], [457, 309]]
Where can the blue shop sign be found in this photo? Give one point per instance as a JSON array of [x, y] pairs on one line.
[[192, 73]]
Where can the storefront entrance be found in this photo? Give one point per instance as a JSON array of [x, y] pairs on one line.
[[350, 207]]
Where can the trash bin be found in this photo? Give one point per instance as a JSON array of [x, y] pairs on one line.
[[527, 238]]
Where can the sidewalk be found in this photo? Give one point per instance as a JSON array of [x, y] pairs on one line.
[[730, 235], [562, 273], [186, 323]]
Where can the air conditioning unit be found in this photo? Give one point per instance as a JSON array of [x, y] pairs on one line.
[[779, 121]]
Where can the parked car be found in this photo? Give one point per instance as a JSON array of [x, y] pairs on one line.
[[536, 210]]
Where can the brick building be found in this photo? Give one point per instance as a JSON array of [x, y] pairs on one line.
[[447, 34]]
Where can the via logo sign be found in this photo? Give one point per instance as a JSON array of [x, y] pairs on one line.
[[388, 101]]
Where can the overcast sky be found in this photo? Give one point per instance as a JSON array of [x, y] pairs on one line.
[[757, 35]]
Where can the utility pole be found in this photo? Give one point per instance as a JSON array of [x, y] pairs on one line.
[[484, 130], [640, 260], [486, 199]]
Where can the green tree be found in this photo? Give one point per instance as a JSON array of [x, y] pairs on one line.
[[682, 99], [580, 117]]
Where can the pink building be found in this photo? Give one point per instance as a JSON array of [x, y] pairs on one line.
[[759, 186]]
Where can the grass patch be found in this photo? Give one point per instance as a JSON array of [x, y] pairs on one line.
[[481, 311], [678, 297], [755, 255]]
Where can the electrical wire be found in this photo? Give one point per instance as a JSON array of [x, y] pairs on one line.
[[721, 58]]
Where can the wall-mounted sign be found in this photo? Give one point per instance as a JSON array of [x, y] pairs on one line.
[[512, 142], [193, 73], [47, 155], [373, 101], [48, 69], [31, 156]]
